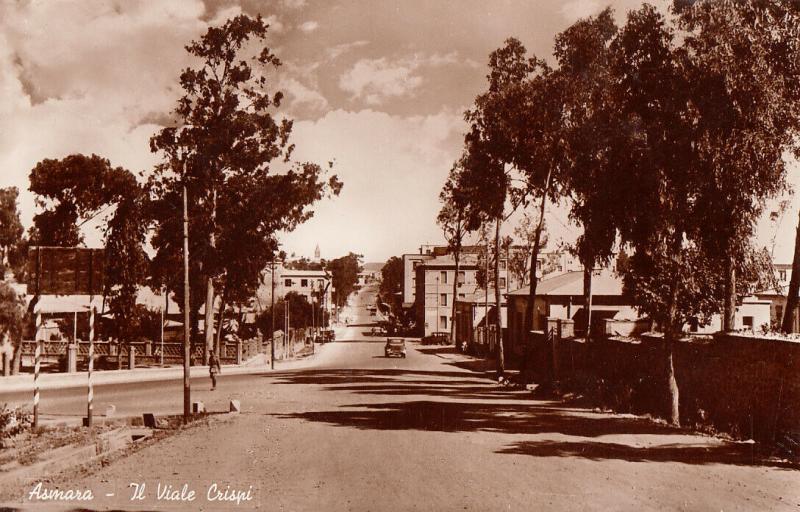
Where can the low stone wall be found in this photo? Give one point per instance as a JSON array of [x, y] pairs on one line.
[[745, 386]]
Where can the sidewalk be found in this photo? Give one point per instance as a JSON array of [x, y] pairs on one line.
[[257, 364]]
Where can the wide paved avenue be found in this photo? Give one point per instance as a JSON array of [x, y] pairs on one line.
[[357, 431]]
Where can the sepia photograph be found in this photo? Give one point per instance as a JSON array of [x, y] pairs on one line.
[[400, 255]]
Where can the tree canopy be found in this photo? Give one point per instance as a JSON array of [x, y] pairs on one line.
[[234, 156]]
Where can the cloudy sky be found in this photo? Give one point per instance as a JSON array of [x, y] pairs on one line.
[[378, 86]]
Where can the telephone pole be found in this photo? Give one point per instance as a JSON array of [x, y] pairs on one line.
[[272, 318], [187, 401]]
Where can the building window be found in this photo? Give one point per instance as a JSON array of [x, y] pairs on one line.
[[304, 283], [502, 264], [287, 282], [462, 295], [502, 282], [443, 277], [779, 312], [462, 277], [321, 283], [443, 299], [414, 265], [781, 275], [539, 264], [748, 321], [443, 322]]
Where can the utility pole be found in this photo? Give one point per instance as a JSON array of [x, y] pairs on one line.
[[187, 403], [272, 318]]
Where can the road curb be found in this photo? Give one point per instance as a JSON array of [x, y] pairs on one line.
[[50, 381]]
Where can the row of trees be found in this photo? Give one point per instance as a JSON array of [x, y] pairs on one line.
[[301, 313], [666, 136], [227, 152]]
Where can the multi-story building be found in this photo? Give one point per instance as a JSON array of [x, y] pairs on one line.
[[425, 272], [434, 280], [313, 284]]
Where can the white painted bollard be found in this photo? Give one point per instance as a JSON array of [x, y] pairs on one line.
[[36, 367], [235, 406], [90, 390]]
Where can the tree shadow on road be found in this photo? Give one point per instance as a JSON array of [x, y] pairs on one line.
[[448, 416], [738, 454], [455, 402]]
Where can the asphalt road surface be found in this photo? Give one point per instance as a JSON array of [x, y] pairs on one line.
[[357, 431]]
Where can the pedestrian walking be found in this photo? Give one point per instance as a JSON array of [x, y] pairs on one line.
[[213, 369]]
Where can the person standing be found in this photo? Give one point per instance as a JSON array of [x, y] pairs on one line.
[[213, 369]]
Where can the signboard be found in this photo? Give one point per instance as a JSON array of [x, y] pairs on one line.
[[65, 270]]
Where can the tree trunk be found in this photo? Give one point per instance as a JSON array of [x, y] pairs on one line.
[[729, 308], [587, 297], [209, 320], [218, 343], [534, 281], [670, 335], [16, 361], [457, 258], [787, 325], [501, 362]]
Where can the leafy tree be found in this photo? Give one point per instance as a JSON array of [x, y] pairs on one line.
[[590, 140], [74, 188], [525, 236], [452, 220], [344, 276], [493, 159], [222, 151], [10, 225], [305, 264], [126, 262], [301, 314], [742, 62], [81, 187], [12, 320], [391, 286], [671, 276]]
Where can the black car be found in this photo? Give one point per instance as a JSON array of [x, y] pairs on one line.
[[395, 347]]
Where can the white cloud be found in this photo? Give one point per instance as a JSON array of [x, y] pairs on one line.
[[309, 26], [303, 96], [340, 49], [375, 80], [577, 9], [224, 15], [88, 77]]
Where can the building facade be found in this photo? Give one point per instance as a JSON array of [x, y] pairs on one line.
[[434, 280], [312, 284]]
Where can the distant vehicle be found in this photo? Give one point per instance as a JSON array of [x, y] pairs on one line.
[[395, 347], [327, 336], [377, 330]]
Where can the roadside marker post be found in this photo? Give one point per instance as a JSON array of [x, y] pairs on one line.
[[90, 393], [36, 367]]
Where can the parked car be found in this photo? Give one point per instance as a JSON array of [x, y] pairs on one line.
[[377, 330], [437, 338], [395, 347], [327, 336]]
